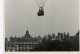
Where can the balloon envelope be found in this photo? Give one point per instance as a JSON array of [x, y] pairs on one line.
[[41, 3]]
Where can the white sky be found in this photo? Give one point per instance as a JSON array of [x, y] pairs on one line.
[[60, 16]]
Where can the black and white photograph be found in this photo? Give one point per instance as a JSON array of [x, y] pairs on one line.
[[41, 25]]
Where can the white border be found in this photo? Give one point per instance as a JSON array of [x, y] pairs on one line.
[[1, 26]]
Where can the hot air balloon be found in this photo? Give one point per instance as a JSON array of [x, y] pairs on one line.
[[41, 4]]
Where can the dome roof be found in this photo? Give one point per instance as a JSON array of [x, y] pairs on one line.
[[27, 31]]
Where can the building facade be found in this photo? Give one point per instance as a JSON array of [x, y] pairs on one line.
[[24, 43]]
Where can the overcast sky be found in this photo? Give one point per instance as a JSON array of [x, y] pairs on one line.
[[60, 16]]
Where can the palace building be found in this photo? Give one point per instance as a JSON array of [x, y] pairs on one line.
[[29, 43], [24, 43]]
